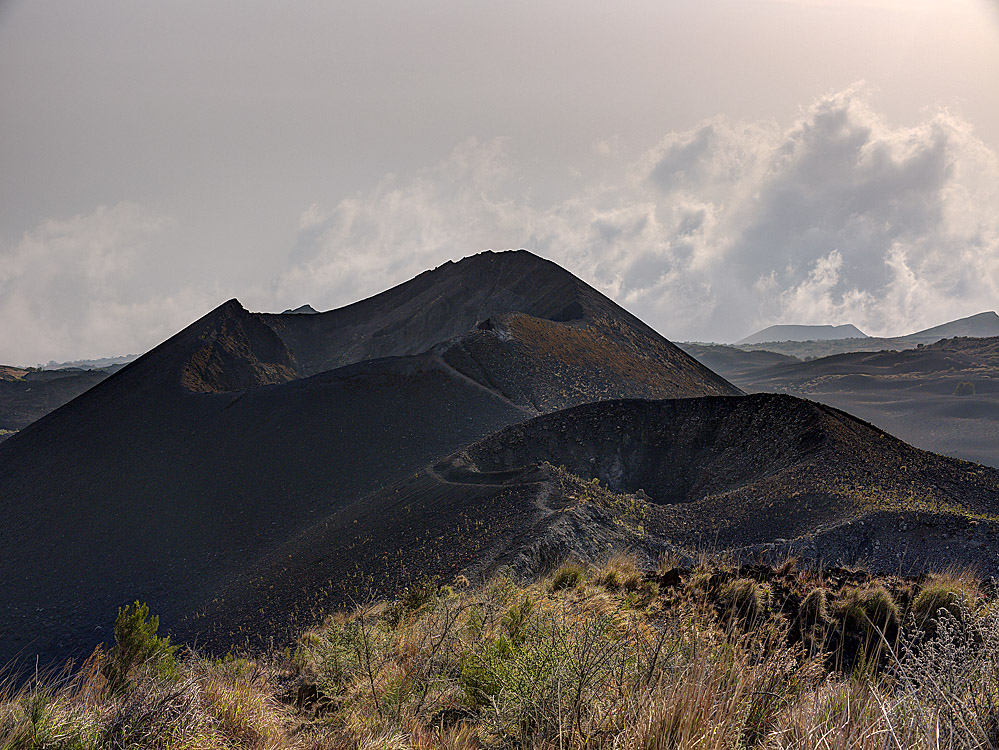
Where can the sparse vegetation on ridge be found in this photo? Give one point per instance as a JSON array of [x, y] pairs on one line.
[[715, 656]]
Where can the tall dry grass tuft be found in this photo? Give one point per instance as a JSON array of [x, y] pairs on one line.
[[722, 657]]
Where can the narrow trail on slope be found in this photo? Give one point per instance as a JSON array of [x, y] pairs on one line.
[[493, 392]]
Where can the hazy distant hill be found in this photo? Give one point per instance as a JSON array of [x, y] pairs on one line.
[[91, 364], [803, 333], [28, 394], [942, 396], [982, 325]]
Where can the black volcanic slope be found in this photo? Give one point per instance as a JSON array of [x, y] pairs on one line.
[[456, 297], [174, 478], [33, 394], [762, 473]]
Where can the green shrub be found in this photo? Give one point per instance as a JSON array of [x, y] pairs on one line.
[[137, 645], [516, 619], [485, 671], [569, 576]]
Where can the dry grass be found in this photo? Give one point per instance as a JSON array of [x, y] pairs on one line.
[[585, 658]]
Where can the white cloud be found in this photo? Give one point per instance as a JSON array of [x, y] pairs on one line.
[[836, 217], [84, 287]]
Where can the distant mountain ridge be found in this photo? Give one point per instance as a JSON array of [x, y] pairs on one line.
[[942, 396], [803, 333], [982, 325]]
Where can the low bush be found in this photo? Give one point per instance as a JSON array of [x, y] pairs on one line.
[[137, 646]]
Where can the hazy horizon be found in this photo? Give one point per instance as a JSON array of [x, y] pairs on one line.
[[715, 170]]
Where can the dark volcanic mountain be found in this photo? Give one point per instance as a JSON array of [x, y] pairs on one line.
[[767, 474], [456, 298], [173, 479]]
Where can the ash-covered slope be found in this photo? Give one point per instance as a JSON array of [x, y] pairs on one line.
[[745, 470], [545, 365], [171, 478], [758, 473], [453, 299], [162, 494]]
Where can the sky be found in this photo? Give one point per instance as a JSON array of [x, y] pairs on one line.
[[715, 167]]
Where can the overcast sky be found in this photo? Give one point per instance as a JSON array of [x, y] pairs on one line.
[[715, 167]]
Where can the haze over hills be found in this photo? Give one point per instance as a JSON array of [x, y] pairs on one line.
[[942, 396], [982, 325], [216, 447], [803, 333], [26, 394]]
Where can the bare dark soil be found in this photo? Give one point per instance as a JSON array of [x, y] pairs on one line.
[[27, 395]]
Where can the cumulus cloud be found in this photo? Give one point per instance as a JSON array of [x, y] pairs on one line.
[[472, 201], [836, 217], [82, 287]]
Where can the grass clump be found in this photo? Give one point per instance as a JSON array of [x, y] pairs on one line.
[[568, 576], [867, 606], [744, 600], [943, 593], [813, 613], [747, 657]]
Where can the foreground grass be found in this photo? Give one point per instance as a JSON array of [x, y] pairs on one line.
[[713, 657]]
